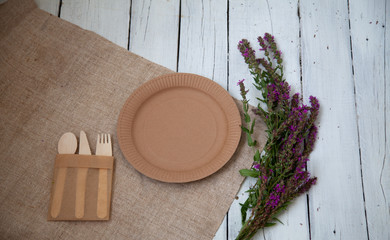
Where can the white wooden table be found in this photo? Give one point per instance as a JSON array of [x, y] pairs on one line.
[[337, 50]]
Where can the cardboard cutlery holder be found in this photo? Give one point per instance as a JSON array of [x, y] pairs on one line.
[[87, 176]]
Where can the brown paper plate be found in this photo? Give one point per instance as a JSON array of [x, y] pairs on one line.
[[179, 128]]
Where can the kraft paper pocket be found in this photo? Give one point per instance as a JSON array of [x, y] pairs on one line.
[[71, 171]]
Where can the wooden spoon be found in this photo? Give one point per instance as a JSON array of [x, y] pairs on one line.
[[66, 145]]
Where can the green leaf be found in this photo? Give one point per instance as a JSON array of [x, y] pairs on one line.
[[247, 118], [253, 125], [275, 218], [262, 110], [244, 209], [256, 79], [254, 143], [253, 199], [245, 129], [262, 100], [250, 141], [256, 158], [249, 173], [269, 224], [243, 215], [245, 106], [258, 86]]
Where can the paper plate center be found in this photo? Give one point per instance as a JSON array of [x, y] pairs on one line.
[[179, 129]]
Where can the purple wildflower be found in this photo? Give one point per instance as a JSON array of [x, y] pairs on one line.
[[280, 189], [240, 81], [295, 101], [273, 200], [291, 130], [314, 103]]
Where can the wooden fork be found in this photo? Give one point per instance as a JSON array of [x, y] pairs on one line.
[[103, 148]]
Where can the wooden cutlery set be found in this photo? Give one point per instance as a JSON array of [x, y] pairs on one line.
[[82, 182]]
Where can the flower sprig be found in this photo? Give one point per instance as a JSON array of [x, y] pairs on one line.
[[280, 170]]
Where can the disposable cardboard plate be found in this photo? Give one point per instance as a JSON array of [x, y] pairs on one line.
[[179, 128]]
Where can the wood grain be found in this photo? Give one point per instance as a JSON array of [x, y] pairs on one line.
[[102, 200], [58, 193], [368, 48], [336, 204], [154, 31], [109, 19], [82, 174], [203, 39], [386, 164]]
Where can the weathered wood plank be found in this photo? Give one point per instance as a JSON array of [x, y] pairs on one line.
[[50, 6], [368, 48], [154, 31], [203, 39], [249, 19], [203, 48], [109, 19], [336, 202], [386, 163]]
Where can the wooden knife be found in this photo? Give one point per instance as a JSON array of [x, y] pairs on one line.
[[81, 177]]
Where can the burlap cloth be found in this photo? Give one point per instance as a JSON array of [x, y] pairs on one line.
[[55, 78]]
